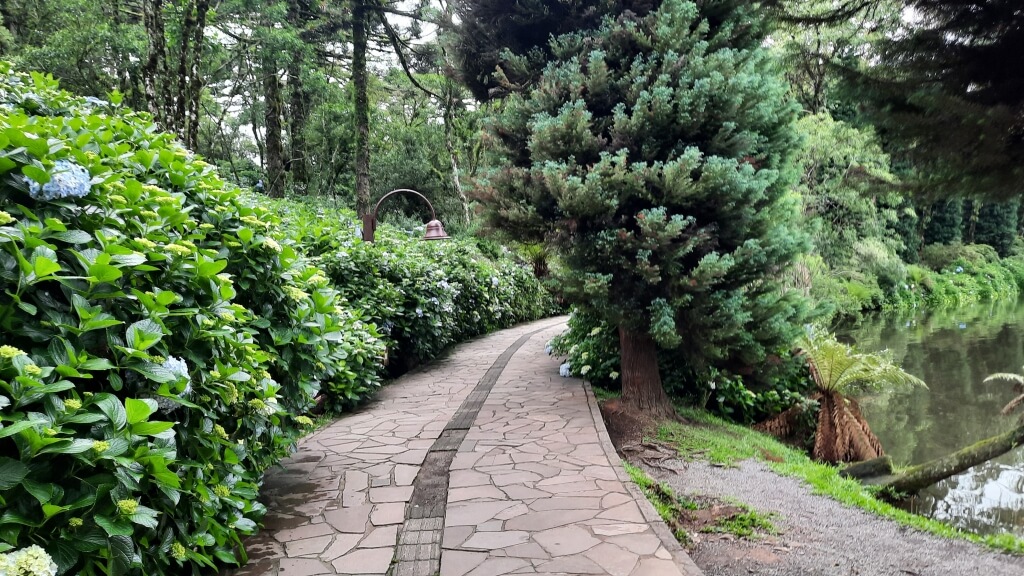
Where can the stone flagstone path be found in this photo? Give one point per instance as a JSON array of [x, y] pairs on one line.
[[534, 487]]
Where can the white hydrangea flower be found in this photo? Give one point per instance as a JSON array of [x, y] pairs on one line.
[[176, 366], [30, 561], [565, 370]]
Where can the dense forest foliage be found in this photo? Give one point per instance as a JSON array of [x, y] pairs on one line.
[[350, 99], [903, 170]]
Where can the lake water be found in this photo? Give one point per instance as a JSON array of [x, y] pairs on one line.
[[953, 351]]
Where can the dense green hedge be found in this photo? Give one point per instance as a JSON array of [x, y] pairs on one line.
[[420, 308], [161, 335], [591, 350]]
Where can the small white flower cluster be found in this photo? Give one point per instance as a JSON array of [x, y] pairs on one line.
[[67, 180], [30, 561], [179, 368], [176, 366], [272, 406], [565, 370]]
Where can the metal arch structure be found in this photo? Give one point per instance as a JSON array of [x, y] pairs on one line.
[[434, 231]]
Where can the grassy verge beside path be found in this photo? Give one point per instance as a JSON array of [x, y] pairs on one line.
[[709, 438]]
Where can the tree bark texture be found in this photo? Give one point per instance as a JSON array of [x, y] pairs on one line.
[[449, 144], [362, 106], [924, 475], [195, 88], [272, 116], [641, 378], [299, 112], [154, 71], [188, 24]]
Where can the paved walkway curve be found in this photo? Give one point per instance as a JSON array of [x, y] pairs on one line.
[[483, 463]]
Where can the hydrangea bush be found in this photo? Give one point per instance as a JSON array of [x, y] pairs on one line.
[[420, 308], [159, 334]]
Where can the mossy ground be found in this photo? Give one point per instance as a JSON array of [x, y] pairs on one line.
[[685, 515]]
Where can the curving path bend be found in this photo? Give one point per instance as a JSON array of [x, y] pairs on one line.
[[483, 463]]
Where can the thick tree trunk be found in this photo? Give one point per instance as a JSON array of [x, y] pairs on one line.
[[124, 81], [154, 71], [272, 116], [195, 89], [298, 108], [362, 106], [641, 379], [924, 475], [181, 95], [299, 111]]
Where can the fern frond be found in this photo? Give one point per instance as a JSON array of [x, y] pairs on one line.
[[1006, 377]]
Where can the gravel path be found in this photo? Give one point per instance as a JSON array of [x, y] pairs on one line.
[[818, 535]]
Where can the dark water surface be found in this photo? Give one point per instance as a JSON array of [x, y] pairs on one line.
[[953, 351]]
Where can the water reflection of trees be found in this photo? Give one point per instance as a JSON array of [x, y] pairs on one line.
[[986, 499], [952, 351]]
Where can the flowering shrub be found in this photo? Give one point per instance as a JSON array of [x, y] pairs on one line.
[[158, 336], [31, 561], [423, 296]]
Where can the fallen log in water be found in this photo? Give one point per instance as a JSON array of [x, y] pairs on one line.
[[924, 475]]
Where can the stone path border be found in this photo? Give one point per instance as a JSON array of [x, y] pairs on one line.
[[661, 529]]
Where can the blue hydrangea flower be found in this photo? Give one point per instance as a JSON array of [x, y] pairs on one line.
[[565, 370], [67, 180], [494, 281], [959, 269], [419, 312]]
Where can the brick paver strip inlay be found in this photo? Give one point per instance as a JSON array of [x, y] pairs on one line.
[[419, 551], [483, 463]]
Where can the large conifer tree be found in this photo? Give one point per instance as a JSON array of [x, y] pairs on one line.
[[654, 155]]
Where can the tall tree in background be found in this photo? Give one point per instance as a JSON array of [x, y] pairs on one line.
[[950, 92], [654, 155], [947, 89]]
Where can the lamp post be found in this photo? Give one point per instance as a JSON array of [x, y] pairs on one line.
[[434, 229]]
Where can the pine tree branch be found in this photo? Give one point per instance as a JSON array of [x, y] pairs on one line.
[[397, 44]]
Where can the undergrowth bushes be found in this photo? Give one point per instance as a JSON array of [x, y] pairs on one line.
[[161, 336], [591, 349], [420, 308]]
